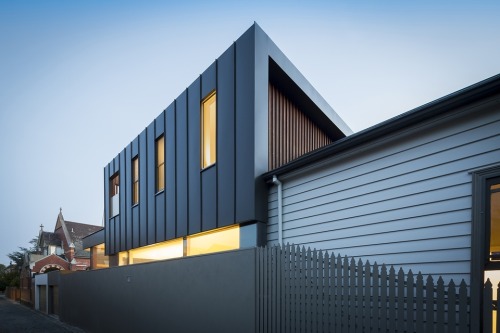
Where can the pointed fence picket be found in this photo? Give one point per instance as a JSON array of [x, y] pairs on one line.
[[304, 290]]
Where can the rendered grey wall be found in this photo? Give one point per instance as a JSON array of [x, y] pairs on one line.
[[403, 200], [210, 293]]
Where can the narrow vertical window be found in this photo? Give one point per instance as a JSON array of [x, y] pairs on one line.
[[160, 164], [208, 130], [135, 181], [114, 194]]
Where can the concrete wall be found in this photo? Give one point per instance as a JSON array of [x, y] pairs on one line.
[[210, 293], [46, 295], [404, 199]]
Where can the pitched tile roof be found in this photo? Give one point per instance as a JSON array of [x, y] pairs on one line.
[[50, 238]]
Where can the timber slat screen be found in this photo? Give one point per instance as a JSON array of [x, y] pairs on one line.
[[301, 290], [291, 133]]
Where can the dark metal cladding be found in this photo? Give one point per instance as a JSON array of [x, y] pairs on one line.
[[143, 211], [182, 167], [209, 198], [170, 172], [151, 188], [194, 182], [127, 239], [159, 200], [233, 190], [120, 228], [245, 182], [226, 138], [209, 175], [134, 231], [106, 210]]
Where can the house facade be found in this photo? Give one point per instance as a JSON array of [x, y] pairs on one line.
[[419, 191], [191, 182], [61, 249], [251, 155]]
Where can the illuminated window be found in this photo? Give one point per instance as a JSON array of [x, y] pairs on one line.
[[123, 258], [493, 217], [135, 181], [99, 259], [160, 164], [208, 130], [114, 194], [214, 241], [160, 251]]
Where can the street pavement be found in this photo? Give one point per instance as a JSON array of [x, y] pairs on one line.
[[17, 318]]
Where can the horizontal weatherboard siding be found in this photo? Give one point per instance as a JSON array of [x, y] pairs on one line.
[[402, 200]]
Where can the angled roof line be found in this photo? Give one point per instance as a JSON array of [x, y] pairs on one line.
[[296, 81], [462, 97]]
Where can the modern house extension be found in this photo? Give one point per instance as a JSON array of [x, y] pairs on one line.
[[191, 182], [251, 155]]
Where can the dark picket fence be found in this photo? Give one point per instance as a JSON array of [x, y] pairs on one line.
[[301, 290]]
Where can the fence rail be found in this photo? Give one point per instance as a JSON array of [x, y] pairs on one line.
[[301, 290]]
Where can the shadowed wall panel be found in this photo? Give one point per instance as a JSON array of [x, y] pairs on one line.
[[143, 216], [127, 240], [120, 231], [291, 133], [193, 155], [170, 172], [225, 143], [151, 187], [181, 127]]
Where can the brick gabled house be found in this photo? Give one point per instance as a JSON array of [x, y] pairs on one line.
[[61, 249]]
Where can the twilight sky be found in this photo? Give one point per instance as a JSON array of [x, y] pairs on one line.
[[80, 79]]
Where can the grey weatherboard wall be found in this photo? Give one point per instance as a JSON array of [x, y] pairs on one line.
[[403, 198], [231, 191]]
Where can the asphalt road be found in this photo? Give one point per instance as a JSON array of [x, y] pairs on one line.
[[17, 318]]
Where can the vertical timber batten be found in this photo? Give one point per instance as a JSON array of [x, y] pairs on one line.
[[291, 133]]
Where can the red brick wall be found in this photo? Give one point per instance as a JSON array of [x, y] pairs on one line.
[[50, 260]]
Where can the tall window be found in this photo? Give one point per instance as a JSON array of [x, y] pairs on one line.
[[493, 216], [114, 194], [485, 238], [208, 130], [135, 181], [160, 164]]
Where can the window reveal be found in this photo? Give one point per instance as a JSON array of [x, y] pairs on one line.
[[160, 164], [135, 181], [114, 194], [208, 131]]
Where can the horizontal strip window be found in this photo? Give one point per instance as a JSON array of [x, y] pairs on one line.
[[224, 239]]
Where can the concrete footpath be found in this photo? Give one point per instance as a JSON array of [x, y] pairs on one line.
[[16, 318]]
